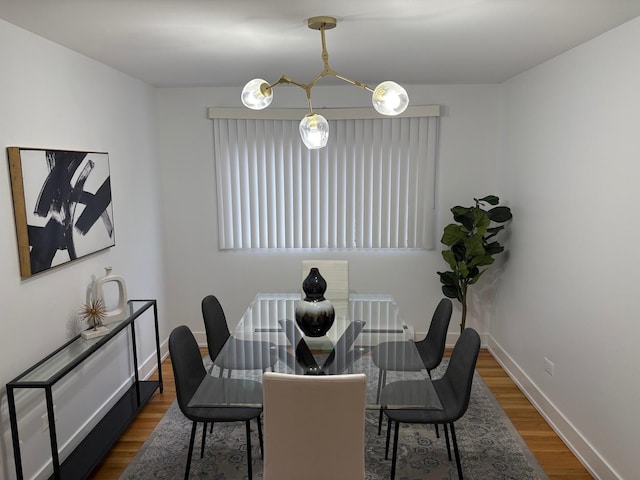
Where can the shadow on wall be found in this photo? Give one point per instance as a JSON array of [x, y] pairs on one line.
[[482, 297]]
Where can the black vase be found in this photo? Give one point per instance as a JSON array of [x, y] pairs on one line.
[[314, 314]]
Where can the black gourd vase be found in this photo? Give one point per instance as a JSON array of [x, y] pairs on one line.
[[315, 314]]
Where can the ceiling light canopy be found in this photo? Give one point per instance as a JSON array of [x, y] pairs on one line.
[[388, 98]]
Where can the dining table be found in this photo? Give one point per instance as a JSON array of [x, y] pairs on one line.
[[361, 322]]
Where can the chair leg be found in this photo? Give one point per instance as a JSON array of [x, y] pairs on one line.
[[204, 439], [455, 449], [191, 441], [259, 420], [395, 450], [386, 448], [211, 428], [382, 379], [435, 425], [248, 423], [446, 436], [379, 385]]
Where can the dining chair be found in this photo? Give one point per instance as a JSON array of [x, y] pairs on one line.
[[453, 390], [189, 372], [238, 354], [314, 426], [400, 355]]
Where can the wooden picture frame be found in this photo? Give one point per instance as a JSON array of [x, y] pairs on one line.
[[62, 206]]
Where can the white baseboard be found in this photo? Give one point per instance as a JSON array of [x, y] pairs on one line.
[[149, 365], [569, 434]]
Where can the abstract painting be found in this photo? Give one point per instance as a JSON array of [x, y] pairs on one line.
[[62, 205]]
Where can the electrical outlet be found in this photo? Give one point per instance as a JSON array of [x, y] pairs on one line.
[[548, 366]]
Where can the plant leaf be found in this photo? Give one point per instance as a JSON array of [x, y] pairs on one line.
[[474, 246], [458, 210], [462, 269], [492, 232], [481, 261], [493, 248], [459, 252], [490, 199], [467, 220], [500, 214], [481, 220], [451, 292], [448, 278], [453, 234], [450, 258]]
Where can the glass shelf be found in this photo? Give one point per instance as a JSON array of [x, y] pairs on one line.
[[53, 367]]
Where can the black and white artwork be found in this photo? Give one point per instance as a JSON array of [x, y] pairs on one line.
[[62, 204]]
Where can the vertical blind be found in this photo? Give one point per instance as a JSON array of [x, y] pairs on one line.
[[372, 186]]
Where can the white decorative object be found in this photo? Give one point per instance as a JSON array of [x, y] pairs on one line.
[[95, 332], [119, 312]]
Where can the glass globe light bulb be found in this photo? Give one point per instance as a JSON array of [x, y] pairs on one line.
[[314, 130], [256, 94], [389, 98]]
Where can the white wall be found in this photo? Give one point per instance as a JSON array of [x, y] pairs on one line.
[[570, 166], [196, 268], [556, 143], [51, 97]]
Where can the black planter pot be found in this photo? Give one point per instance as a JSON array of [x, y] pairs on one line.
[[315, 314]]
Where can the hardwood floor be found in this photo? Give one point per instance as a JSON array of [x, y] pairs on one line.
[[554, 456]]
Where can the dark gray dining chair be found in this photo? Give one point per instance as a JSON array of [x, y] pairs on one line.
[[453, 390], [189, 372], [238, 354], [400, 356]]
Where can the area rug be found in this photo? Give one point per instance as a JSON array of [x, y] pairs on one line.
[[490, 448]]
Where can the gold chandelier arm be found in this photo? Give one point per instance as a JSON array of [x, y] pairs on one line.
[[329, 71], [351, 81], [388, 98], [266, 89], [326, 71]]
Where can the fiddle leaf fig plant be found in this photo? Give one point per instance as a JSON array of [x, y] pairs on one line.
[[472, 246]]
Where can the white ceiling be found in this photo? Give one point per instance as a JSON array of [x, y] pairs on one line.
[[228, 42]]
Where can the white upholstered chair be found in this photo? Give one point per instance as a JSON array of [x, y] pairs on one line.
[[313, 426]]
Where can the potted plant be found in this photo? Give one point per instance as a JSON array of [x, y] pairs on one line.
[[472, 246]]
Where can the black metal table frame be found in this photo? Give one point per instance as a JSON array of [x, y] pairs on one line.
[[47, 385]]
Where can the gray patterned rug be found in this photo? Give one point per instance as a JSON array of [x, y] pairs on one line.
[[490, 448]]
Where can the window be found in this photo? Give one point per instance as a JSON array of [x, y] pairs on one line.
[[371, 187]]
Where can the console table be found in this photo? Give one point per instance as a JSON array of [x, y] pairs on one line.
[[51, 369]]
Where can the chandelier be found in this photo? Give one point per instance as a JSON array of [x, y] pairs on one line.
[[388, 98]]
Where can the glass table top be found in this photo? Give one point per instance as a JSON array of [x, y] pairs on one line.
[[75, 351], [267, 334]]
